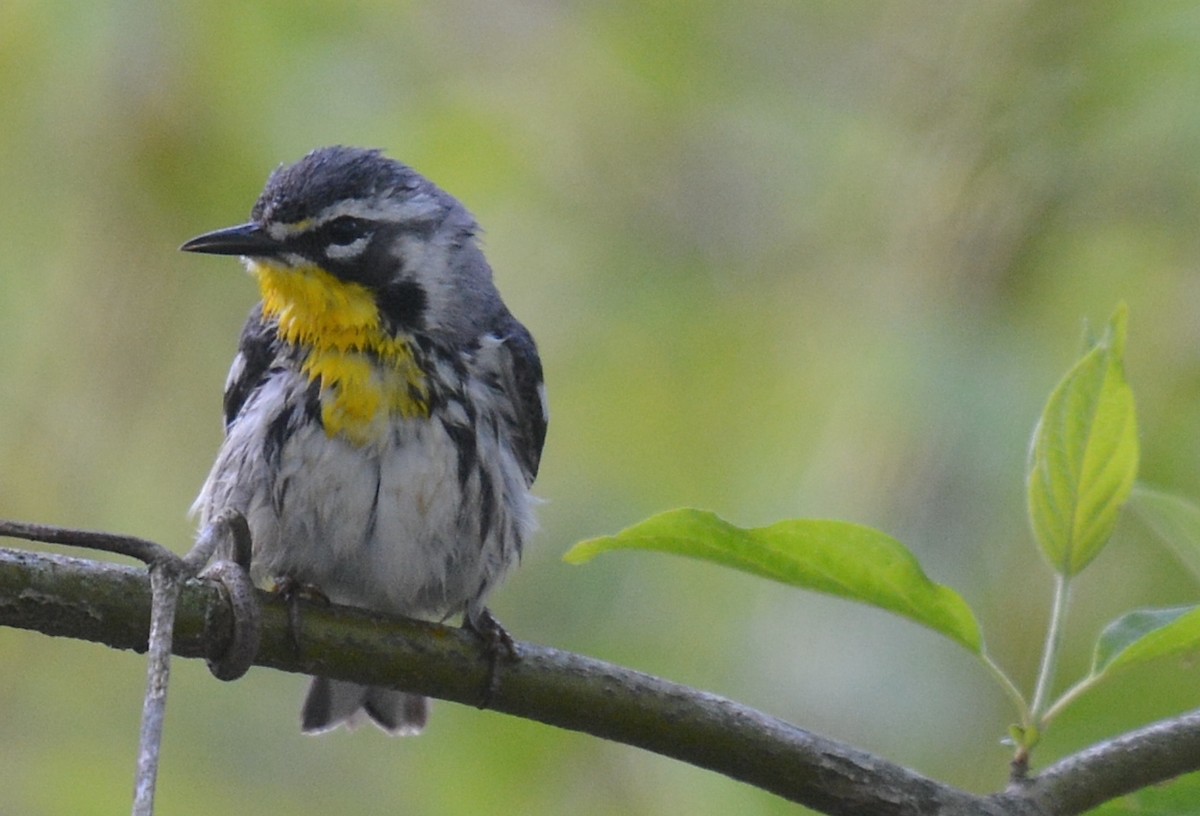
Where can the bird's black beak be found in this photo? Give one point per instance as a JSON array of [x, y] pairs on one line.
[[244, 239]]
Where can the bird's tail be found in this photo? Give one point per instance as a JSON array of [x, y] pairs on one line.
[[331, 703]]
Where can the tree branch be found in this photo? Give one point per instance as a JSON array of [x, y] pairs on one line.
[[111, 605], [1150, 755]]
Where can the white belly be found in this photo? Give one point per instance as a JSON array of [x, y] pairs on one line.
[[388, 526]]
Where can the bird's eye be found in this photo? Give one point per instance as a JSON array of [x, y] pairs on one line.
[[345, 230]]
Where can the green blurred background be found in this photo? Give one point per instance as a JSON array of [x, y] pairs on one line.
[[782, 259]]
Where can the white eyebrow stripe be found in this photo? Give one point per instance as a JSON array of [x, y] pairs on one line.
[[416, 208]]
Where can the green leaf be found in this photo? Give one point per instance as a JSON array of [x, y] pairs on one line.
[[1085, 455], [1174, 519], [1144, 635], [835, 557]]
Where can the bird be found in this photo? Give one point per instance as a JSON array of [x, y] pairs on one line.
[[385, 412]]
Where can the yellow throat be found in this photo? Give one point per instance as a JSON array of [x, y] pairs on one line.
[[366, 375]]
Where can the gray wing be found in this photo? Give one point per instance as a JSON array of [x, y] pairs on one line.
[[523, 382], [257, 349]]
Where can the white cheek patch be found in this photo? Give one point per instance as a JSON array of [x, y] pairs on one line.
[[353, 249], [254, 264]]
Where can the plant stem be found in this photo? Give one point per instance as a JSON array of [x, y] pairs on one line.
[[164, 583], [1010, 688], [1067, 697], [1058, 614]]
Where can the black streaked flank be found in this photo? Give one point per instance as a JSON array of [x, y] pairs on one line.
[[487, 503], [463, 437], [312, 403], [278, 493], [375, 504], [417, 396], [276, 436]]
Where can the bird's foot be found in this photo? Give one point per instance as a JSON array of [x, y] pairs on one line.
[[293, 591], [498, 645]]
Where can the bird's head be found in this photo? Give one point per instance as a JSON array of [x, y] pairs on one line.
[[355, 223]]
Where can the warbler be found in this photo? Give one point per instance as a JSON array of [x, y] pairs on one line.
[[385, 412]]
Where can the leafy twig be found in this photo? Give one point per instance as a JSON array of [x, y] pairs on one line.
[[109, 604]]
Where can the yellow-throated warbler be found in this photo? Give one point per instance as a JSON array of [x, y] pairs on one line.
[[384, 415]]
